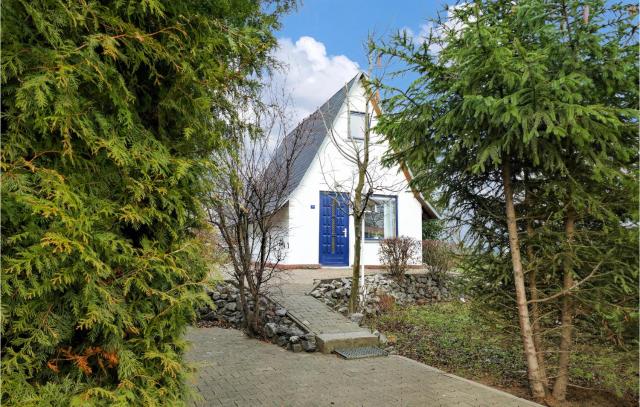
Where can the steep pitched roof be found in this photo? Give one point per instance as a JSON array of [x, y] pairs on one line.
[[314, 131]]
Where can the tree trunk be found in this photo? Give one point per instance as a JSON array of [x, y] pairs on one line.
[[358, 213], [535, 381], [355, 283], [243, 303], [255, 326], [535, 314], [560, 385], [358, 210]]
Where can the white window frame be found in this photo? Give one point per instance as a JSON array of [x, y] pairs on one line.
[[394, 231], [353, 113]]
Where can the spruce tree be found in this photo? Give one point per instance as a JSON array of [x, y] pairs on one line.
[[110, 111], [524, 112]]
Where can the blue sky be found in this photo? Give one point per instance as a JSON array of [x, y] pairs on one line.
[[322, 44], [343, 25]]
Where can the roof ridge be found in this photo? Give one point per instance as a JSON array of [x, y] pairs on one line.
[[346, 85]]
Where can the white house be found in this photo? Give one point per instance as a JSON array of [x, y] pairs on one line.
[[316, 215]]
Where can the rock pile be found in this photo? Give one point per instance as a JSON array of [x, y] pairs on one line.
[[277, 326], [415, 288]]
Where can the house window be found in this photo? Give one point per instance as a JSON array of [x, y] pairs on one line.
[[356, 125], [381, 217]]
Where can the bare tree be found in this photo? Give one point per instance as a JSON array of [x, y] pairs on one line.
[[368, 177], [251, 187]]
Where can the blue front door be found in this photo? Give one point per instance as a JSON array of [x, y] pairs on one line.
[[334, 229]]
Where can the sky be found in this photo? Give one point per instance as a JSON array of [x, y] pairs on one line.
[[322, 44]]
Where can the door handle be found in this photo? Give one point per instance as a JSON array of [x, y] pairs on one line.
[[345, 232]]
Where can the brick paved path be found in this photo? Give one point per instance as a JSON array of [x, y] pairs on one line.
[[233, 370], [318, 317]]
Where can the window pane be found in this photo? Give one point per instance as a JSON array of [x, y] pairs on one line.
[[356, 129], [380, 218], [390, 218]]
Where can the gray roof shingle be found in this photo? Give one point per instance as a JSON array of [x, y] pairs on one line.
[[313, 130]]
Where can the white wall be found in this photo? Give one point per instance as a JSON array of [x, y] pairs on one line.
[[279, 233], [330, 168]]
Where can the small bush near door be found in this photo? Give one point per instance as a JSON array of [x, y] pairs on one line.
[[396, 253]]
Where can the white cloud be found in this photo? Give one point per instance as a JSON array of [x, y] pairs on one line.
[[309, 75], [438, 33]]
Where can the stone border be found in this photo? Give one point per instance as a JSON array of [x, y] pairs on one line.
[[415, 288], [278, 325]]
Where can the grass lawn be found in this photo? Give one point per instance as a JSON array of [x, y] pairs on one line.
[[454, 338]]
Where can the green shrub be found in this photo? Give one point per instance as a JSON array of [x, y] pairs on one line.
[[110, 112], [432, 229]]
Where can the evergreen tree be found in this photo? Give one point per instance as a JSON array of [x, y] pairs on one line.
[[110, 111], [530, 109]]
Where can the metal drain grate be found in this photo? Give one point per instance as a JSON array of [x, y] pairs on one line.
[[359, 353]]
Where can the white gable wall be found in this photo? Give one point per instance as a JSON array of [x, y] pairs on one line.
[[330, 167]]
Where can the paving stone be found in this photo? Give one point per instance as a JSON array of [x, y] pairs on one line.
[[267, 374]]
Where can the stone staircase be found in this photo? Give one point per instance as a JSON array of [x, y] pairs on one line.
[[332, 330]]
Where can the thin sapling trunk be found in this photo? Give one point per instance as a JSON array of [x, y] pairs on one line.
[[560, 385]]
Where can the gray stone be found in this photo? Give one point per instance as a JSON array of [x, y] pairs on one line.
[[281, 312], [296, 347], [294, 331], [356, 317], [271, 329], [294, 339], [309, 342], [383, 339], [282, 341], [209, 316], [230, 306], [309, 345]]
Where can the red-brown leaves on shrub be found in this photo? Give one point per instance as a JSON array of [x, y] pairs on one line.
[[82, 360], [395, 253], [387, 303]]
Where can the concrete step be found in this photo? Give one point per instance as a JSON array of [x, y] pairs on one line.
[[330, 341]]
